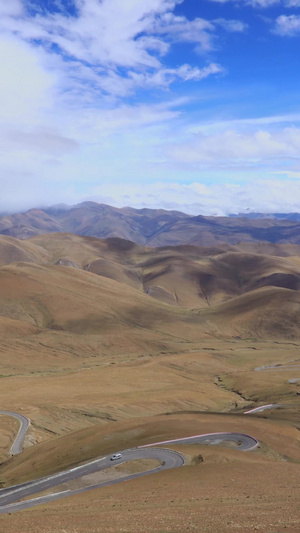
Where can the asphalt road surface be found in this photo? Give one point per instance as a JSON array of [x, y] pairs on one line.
[[10, 497], [24, 425], [264, 408], [284, 367], [244, 442]]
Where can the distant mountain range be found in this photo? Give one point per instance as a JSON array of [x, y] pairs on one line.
[[153, 227]]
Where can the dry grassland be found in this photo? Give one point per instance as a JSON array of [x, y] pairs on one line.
[[61, 400]]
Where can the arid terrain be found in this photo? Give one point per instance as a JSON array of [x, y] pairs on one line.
[[108, 345]]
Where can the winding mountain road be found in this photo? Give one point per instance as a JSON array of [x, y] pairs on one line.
[[264, 408], [273, 368], [24, 425], [10, 497], [243, 442]]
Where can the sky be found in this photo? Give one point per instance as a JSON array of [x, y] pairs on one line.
[[190, 105]]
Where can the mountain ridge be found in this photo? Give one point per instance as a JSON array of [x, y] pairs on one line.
[[152, 227]]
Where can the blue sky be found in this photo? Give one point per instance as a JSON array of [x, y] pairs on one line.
[[190, 105]]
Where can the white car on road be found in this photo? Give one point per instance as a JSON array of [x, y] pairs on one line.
[[116, 456]]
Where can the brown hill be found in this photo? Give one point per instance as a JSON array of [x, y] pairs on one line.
[[88, 285], [272, 313], [69, 299], [13, 250], [25, 225], [186, 276]]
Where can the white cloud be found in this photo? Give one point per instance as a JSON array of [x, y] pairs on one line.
[[114, 32], [119, 151], [269, 195], [287, 25], [242, 124], [198, 31], [231, 25], [236, 148], [180, 29], [11, 7], [113, 45], [261, 3], [164, 76], [25, 85], [187, 73], [41, 140], [253, 3], [259, 195]]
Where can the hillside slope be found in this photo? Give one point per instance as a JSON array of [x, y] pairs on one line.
[[59, 298], [268, 313]]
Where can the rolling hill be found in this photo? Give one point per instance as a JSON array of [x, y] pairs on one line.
[[88, 285]]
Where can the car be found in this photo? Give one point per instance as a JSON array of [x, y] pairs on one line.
[[116, 456]]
